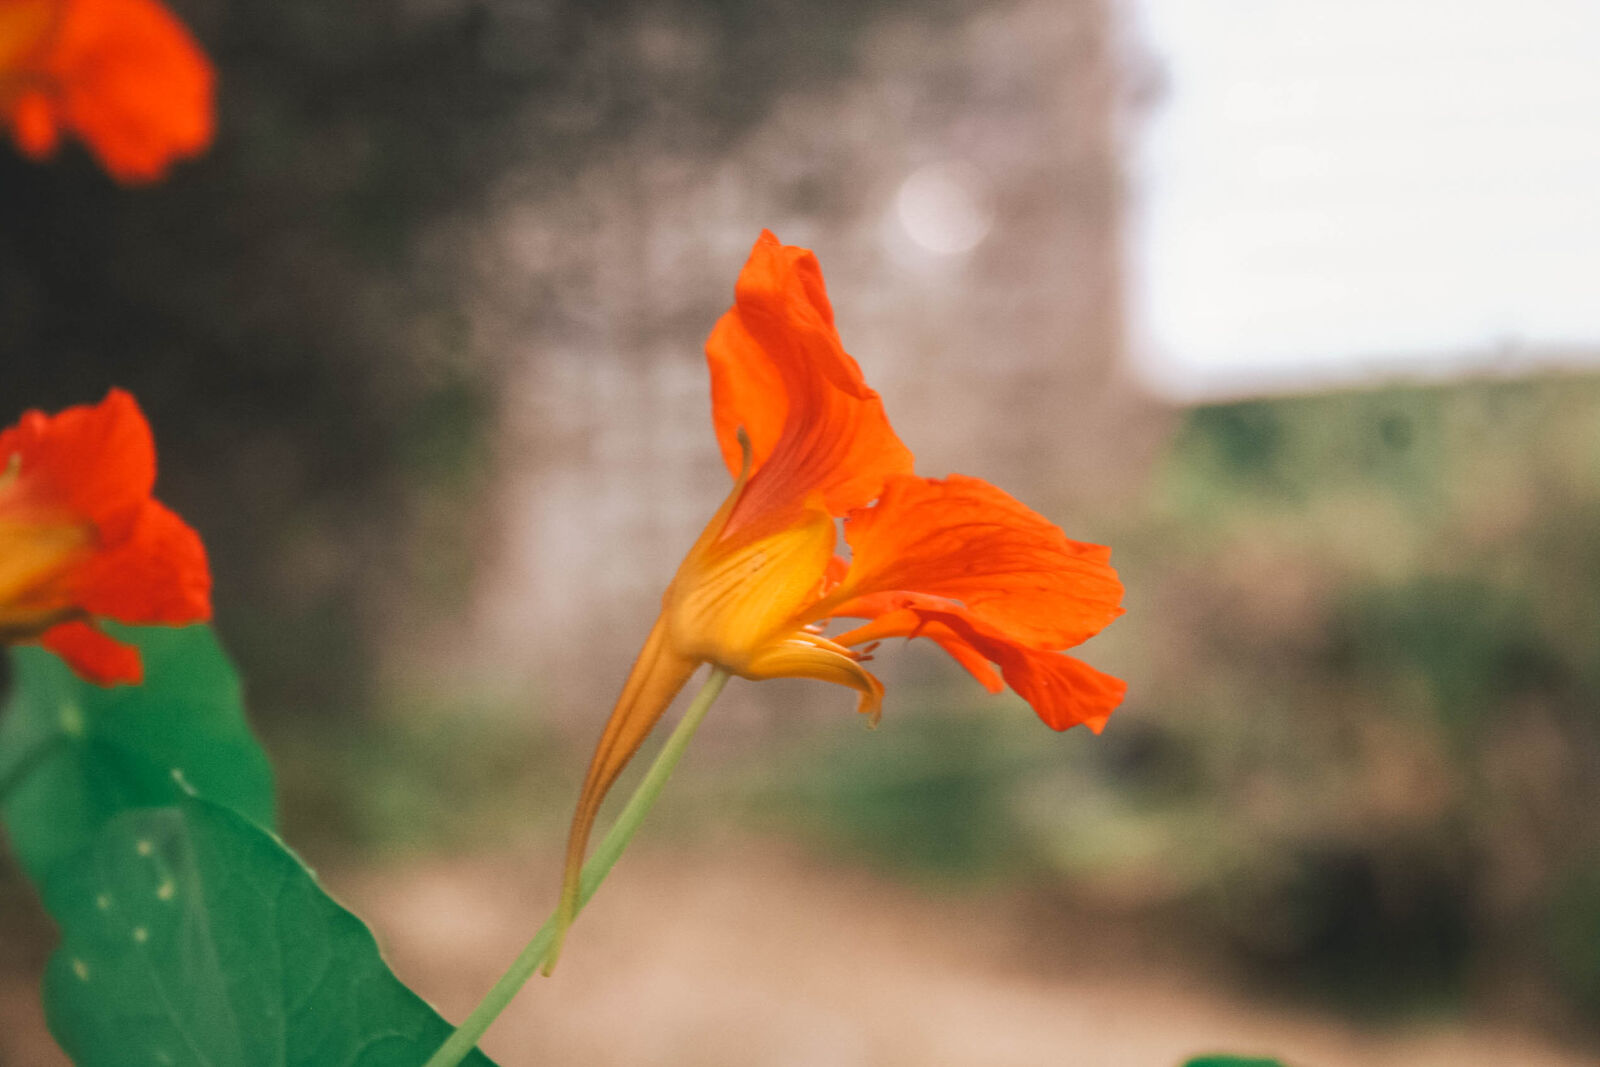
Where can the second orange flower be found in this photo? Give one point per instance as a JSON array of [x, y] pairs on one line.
[[125, 76], [82, 539]]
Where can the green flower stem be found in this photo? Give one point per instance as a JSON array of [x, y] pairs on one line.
[[465, 1039]]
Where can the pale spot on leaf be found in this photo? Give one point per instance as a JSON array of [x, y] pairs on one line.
[[71, 719]]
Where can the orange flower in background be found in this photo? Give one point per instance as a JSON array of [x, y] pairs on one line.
[[81, 538], [955, 560], [124, 76]]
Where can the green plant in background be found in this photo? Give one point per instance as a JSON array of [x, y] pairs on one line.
[[941, 804], [1364, 752], [1387, 630], [136, 797], [189, 933], [1569, 929]]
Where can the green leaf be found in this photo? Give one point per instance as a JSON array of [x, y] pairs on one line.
[[1231, 1061], [193, 937], [74, 754]]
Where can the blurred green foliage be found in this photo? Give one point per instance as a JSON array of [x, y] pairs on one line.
[[1391, 597], [1362, 746], [428, 776], [1571, 931], [929, 792]]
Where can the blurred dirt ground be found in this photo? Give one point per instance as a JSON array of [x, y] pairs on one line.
[[737, 952]]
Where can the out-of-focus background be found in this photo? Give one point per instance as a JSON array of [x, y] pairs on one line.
[[1291, 303]]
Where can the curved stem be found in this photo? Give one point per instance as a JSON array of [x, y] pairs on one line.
[[605, 856]]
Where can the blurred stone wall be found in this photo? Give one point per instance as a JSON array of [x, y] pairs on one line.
[[962, 188]]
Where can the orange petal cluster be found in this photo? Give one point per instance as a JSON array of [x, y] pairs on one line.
[[124, 76], [955, 560], [82, 539]]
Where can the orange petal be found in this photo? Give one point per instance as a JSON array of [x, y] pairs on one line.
[[133, 84], [890, 619], [93, 462], [732, 597], [39, 562], [1063, 691], [24, 27], [95, 656], [779, 370], [838, 567], [158, 575], [806, 655], [963, 539], [657, 675], [34, 126]]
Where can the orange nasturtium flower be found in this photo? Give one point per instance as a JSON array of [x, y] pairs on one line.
[[81, 538], [125, 76], [955, 559]]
